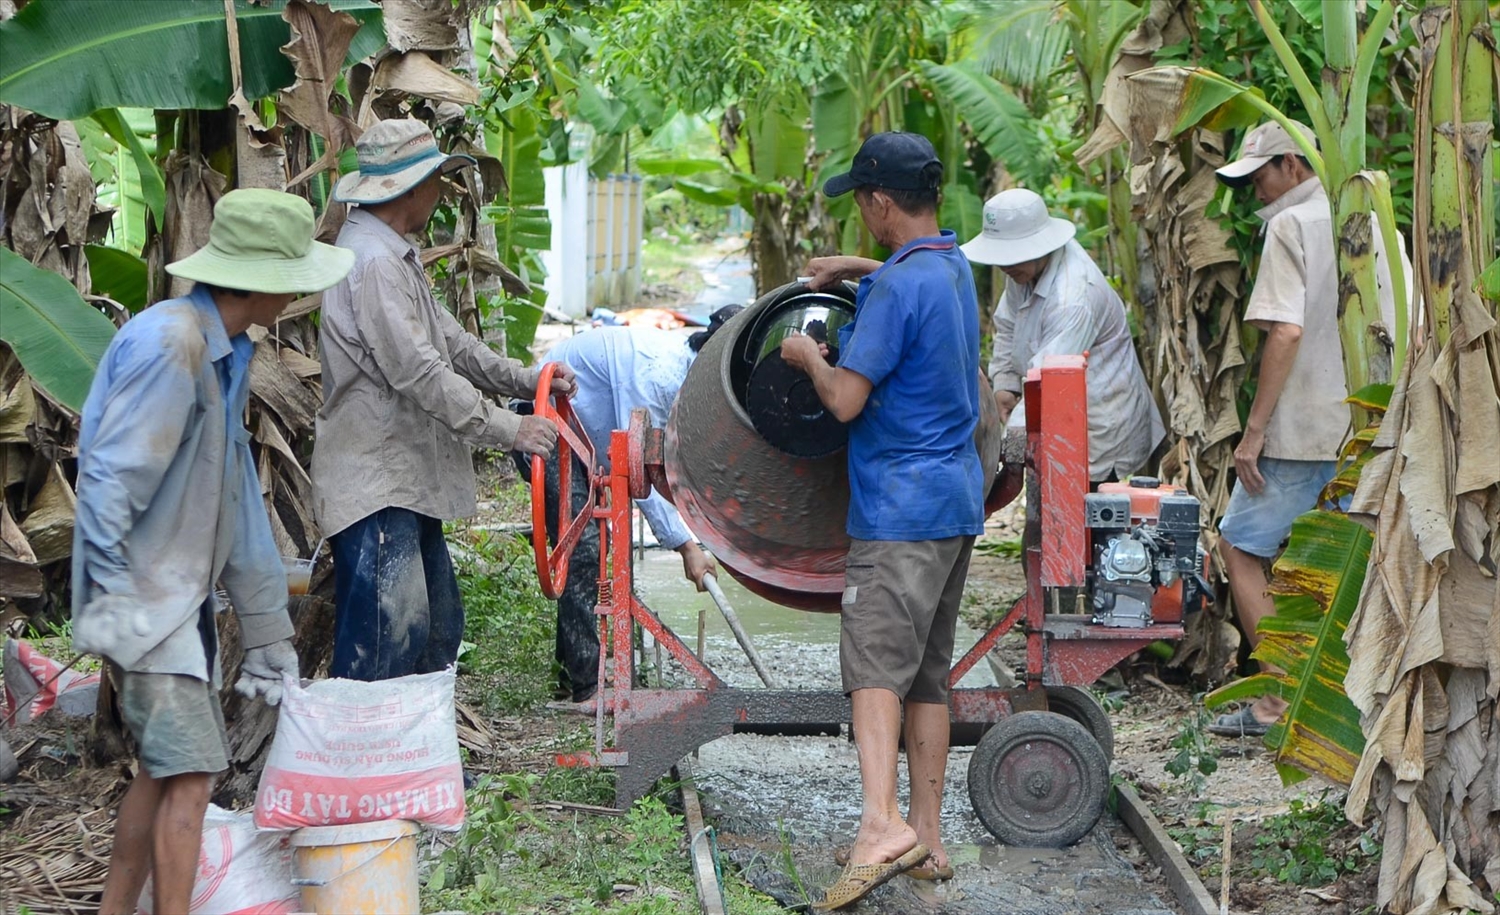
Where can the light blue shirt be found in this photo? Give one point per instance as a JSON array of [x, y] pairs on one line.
[[620, 369], [169, 503]]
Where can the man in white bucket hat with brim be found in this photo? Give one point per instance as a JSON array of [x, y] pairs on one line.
[[169, 508], [404, 388], [1056, 301]]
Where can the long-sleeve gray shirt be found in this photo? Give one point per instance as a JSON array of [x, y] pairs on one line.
[[403, 390], [1069, 310]]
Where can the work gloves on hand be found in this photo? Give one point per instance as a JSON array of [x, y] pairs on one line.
[[263, 668]]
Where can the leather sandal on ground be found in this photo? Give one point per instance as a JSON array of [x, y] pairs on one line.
[[1238, 724], [857, 880]]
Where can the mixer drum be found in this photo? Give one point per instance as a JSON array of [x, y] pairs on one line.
[[782, 403], [774, 519]]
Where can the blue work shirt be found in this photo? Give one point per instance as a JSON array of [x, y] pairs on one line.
[[168, 498], [914, 471], [619, 369]]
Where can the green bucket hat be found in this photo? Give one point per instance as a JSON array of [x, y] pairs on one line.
[[262, 241]]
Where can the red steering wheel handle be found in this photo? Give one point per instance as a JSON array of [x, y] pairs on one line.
[[552, 566]]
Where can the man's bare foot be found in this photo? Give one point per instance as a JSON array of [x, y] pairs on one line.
[[879, 843], [939, 856], [1268, 709]]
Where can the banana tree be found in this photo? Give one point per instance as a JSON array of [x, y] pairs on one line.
[[1424, 642]]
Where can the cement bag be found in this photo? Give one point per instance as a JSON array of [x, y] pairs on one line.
[[35, 683], [240, 871], [347, 751]]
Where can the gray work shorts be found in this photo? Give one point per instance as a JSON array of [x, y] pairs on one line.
[[176, 721], [899, 612]]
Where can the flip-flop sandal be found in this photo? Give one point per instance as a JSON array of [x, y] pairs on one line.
[[857, 880], [931, 872], [921, 872], [1238, 724]]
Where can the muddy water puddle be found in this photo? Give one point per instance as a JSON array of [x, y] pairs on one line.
[[783, 804]]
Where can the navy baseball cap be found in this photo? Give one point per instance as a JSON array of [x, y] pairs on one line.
[[900, 161]]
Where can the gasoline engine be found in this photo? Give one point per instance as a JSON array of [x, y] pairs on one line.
[[1147, 564]]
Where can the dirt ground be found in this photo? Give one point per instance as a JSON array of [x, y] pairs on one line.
[[55, 821]]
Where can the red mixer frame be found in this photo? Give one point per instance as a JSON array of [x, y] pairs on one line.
[[1039, 775]]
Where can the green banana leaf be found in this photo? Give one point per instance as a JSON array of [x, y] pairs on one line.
[[961, 210], [1316, 587], [152, 186], [117, 274], [1022, 45], [999, 120], [679, 167], [68, 59], [116, 176], [606, 115], [57, 336], [778, 139], [522, 226], [703, 192]]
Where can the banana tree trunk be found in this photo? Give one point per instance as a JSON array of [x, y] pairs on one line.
[[1424, 643]]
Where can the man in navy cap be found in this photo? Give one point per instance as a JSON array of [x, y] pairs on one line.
[[907, 383]]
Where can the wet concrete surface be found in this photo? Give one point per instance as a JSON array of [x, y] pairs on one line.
[[783, 804]]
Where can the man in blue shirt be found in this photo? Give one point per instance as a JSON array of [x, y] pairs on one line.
[[168, 506], [908, 385]]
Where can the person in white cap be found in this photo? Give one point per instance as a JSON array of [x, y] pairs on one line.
[[169, 509], [1290, 446], [404, 390], [1057, 302]]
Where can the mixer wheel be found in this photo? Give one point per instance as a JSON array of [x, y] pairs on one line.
[[1038, 780], [1078, 703]]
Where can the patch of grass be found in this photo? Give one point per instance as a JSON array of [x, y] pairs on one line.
[[1007, 549], [515, 853], [1305, 845], [511, 625], [516, 856]]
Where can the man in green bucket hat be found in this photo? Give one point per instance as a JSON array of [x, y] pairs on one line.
[[169, 505], [404, 400]]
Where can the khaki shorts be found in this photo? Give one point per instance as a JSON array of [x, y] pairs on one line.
[[900, 610], [176, 721]]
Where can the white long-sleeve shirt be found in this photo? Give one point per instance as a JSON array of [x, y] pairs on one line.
[[1069, 310], [618, 370]]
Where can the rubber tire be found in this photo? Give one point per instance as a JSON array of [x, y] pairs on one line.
[[1073, 702], [1077, 703], [1071, 806]]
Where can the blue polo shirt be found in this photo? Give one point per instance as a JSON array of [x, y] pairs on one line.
[[914, 473]]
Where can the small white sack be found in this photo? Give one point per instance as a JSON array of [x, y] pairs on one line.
[[240, 871], [348, 751]]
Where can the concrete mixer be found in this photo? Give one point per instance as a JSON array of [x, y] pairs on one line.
[[774, 516]]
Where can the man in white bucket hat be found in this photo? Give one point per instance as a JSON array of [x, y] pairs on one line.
[[169, 507], [404, 400], [1289, 449], [1056, 302]]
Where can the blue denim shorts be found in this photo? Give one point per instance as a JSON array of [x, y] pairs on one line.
[[1259, 524]]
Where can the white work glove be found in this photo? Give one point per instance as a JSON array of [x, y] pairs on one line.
[[263, 668]]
